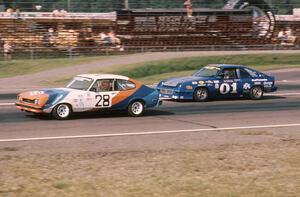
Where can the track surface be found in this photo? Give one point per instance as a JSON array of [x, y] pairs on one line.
[[279, 109]]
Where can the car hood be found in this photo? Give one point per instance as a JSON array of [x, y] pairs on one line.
[[175, 81], [45, 96]]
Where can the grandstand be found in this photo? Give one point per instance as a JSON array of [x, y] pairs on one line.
[[235, 26]]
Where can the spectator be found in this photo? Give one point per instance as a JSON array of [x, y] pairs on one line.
[[282, 35], [287, 38], [63, 13], [7, 49], [104, 39], [49, 38], [189, 7], [56, 13], [114, 39], [290, 36], [10, 11], [17, 13]]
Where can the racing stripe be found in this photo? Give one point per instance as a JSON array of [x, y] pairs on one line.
[[123, 95]]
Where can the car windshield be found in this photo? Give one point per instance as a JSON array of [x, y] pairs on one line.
[[80, 83], [208, 71]]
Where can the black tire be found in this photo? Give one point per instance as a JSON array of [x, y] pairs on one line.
[[62, 111], [201, 95], [136, 108], [256, 93]]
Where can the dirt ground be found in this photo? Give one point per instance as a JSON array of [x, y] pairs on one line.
[[269, 169]]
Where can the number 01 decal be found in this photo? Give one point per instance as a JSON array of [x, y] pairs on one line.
[[103, 100], [226, 88]]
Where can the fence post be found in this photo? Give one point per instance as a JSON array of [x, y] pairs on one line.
[[31, 53], [70, 52]]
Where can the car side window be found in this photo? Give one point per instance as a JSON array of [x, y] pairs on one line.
[[229, 73], [244, 74], [123, 85], [103, 85]]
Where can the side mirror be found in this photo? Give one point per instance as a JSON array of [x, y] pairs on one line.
[[93, 90], [221, 75]]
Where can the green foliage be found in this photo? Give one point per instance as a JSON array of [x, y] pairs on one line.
[[280, 6]]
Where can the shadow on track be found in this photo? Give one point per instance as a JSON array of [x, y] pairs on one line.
[[102, 114], [230, 99]]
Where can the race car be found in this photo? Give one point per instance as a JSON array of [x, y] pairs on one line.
[[91, 92], [218, 81]]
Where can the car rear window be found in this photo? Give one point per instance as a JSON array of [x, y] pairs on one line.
[[122, 85]]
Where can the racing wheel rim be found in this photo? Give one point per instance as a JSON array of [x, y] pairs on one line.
[[137, 108], [63, 110], [257, 92], [201, 94]]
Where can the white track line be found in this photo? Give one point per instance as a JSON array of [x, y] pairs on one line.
[[7, 104], [147, 133], [283, 94]]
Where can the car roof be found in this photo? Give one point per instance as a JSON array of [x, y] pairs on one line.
[[226, 66], [103, 76]]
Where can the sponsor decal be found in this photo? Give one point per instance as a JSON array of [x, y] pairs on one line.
[[261, 80], [34, 93], [268, 84], [201, 82], [188, 87], [217, 86], [216, 81], [246, 86], [257, 83], [194, 83], [228, 81], [209, 81], [172, 84]]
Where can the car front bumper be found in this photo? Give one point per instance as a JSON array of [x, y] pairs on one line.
[[271, 89], [29, 108], [177, 96]]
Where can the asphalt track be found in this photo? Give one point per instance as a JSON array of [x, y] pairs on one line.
[[173, 125]]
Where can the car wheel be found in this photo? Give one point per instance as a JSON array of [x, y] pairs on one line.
[[62, 112], [256, 93], [136, 108], [201, 95]]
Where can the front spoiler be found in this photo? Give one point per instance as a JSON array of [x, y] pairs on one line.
[[28, 108]]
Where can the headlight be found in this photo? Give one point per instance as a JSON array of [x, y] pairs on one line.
[[36, 101]]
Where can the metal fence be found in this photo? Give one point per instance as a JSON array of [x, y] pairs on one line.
[[40, 52]]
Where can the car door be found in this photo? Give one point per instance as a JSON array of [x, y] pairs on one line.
[[101, 94], [229, 83], [245, 83], [126, 89]]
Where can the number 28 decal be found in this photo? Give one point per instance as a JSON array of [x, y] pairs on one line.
[[226, 88], [103, 100]]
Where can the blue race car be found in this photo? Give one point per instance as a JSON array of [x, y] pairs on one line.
[[218, 81]]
